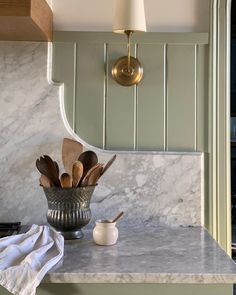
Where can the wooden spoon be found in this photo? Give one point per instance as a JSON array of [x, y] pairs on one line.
[[66, 180], [77, 173], [108, 164], [71, 151], [92, 175], [95, 175], [45, 181], [88, 159]]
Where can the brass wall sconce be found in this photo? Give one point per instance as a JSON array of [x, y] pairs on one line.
[[129, 18]]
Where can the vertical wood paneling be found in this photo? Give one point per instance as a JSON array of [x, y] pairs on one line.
[[63, 69], [202, 94], [223, 128], [90, 92], [151, 104], [181, 97], [120, 107], [166, 111], [165, 99], [106, 70], [202, 120], [219, 195]]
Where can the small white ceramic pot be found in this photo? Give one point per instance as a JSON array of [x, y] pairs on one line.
[[105, 233]]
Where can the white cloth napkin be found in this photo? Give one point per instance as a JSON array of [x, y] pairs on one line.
[[26, 258]]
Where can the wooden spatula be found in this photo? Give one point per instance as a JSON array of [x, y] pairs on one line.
[[71, 151], [77, 173]]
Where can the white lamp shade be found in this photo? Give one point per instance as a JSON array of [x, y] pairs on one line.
[[129, 15]]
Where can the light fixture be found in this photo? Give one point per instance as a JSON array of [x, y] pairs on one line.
[[129, 18]]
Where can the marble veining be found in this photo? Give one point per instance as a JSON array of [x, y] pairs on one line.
[[156, 189], [146, 255], [30, 126], [162, 188]]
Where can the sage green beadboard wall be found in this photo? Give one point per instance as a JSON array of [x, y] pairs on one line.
[[165, 112]]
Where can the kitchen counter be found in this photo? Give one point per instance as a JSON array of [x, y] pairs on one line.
[[146, 255]]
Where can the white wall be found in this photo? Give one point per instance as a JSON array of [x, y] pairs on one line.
[[161, 15]]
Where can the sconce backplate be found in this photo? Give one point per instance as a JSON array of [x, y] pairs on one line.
[[126, 77]]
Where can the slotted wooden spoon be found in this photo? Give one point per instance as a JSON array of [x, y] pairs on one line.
[[57, 168], [46, 166]]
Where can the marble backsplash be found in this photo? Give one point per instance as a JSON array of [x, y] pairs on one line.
[[157, 189], [162, 188]]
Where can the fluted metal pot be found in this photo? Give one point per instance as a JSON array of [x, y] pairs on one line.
[[69, 209]]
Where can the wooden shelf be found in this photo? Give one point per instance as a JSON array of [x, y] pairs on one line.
[[25, 20]]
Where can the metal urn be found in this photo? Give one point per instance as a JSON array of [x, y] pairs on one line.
[[69, 209]]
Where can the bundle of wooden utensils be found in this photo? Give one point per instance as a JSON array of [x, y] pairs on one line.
[[81, 168]]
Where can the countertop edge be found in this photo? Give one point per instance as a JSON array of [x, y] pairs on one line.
[[159, 278]]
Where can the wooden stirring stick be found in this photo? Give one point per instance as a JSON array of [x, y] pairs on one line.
[[117, 217]]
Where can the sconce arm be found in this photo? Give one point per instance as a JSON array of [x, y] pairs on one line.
[[128, 33]]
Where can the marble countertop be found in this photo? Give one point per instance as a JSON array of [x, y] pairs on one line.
[[146, 255]]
